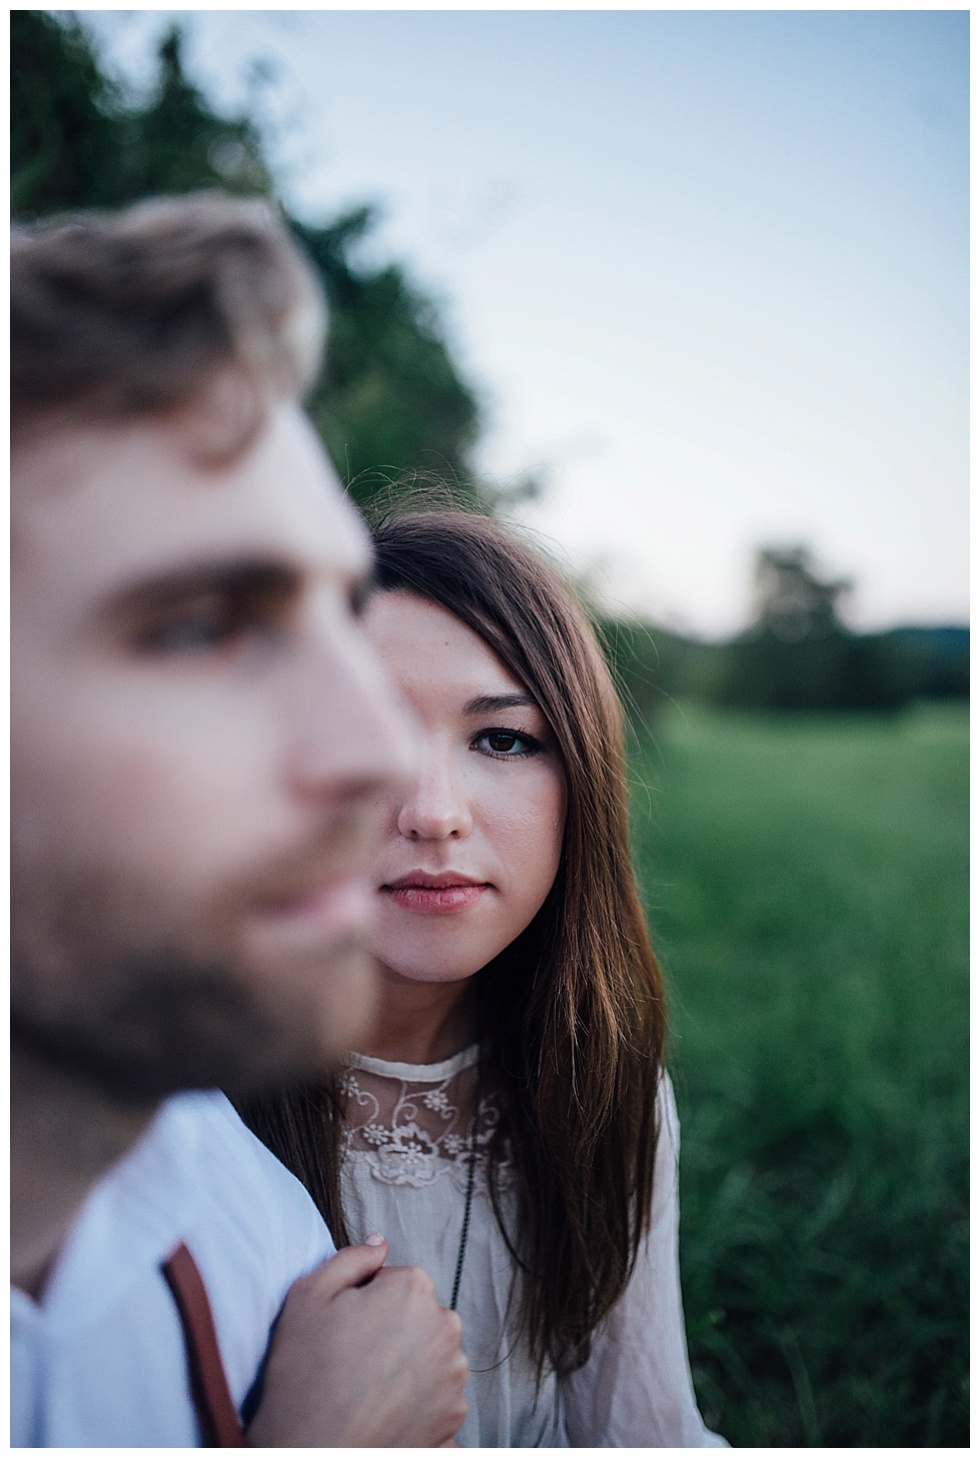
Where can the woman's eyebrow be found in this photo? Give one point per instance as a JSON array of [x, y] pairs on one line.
[[489, 703]]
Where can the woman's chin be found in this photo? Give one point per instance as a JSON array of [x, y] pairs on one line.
[[399, 969]]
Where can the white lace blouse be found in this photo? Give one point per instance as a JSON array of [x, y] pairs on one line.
[[406, 1169]]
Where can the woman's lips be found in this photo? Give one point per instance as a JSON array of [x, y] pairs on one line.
[[435, 895]]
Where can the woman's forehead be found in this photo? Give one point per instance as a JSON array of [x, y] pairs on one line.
[[422, 641]]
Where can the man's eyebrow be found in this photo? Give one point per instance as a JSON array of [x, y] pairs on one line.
[[230, 577], [489, 703]]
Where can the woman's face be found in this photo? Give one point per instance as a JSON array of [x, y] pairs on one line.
[[471, 853]]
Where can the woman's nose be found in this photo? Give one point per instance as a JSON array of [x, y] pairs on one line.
[[437, 807]]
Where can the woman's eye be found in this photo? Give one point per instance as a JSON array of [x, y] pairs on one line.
[[507, 743]]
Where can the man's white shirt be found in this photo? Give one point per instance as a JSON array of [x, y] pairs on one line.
[[101, 1361]]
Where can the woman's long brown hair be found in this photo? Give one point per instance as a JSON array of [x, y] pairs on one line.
[[571, 1016]]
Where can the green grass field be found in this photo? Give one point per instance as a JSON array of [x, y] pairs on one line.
[[806, 881]]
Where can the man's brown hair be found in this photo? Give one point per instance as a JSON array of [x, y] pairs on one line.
[[115, 316]]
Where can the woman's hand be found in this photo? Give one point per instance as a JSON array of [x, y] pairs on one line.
[[363, 1357]]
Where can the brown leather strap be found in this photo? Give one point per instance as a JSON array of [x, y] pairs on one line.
[[220, 1424]]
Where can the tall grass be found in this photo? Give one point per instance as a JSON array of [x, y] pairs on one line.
[[806, 881]]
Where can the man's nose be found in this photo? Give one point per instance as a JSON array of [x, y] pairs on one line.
[[437, 806], [355, 738]]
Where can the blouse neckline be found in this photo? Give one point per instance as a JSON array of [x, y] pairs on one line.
[[418, 1072]]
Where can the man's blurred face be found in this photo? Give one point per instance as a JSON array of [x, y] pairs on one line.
[[201, 743]]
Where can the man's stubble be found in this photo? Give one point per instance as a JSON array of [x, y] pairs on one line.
[[108, 981]]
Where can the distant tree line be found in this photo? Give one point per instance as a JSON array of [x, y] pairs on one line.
[[797, 655], [391, 404]]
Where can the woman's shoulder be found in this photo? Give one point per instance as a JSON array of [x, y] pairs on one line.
[[667, 1104], [667, 1157]]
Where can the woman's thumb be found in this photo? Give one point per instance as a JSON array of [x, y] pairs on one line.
[[354, 1265]]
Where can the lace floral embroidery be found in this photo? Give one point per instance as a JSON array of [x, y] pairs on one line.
[[416, 1131]]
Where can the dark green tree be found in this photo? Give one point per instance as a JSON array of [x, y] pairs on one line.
[[177, 143], [389, 400], [65, 138], [390, 403], [792, 602], [798, 654], [75, 142]]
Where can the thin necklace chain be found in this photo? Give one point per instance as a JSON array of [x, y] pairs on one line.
[[468, 1207]]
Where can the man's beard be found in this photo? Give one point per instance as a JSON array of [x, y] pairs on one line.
[[141, 1015], [173, 1026]]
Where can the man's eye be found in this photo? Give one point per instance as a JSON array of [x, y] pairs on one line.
[[189, 635], [218, 612], [203, 628], [506, 743]]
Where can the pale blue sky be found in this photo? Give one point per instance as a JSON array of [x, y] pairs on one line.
[[708, 269]]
